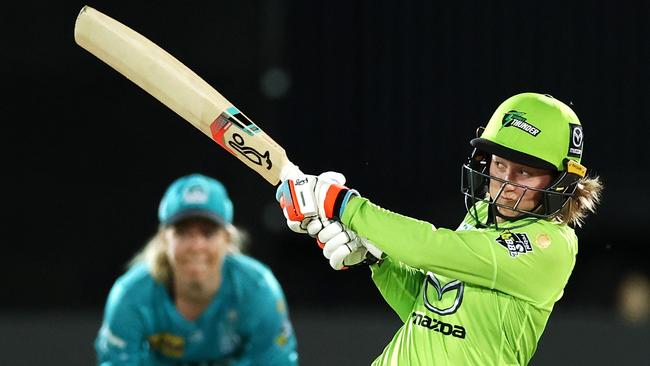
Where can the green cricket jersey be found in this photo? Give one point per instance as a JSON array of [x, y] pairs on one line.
[[474, 296]]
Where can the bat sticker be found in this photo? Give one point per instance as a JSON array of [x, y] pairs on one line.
[[233, 115], [250, 153]]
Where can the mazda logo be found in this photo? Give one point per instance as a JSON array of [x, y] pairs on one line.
[[577, 136]]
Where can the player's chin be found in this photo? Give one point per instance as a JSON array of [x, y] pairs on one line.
[[511, 214], [195, 271]]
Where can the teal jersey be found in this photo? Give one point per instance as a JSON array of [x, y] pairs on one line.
[[473, 296], [246, 323]]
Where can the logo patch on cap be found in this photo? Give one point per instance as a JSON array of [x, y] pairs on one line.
[[576, 141], [516, 119], [516, 243], [195, 194]]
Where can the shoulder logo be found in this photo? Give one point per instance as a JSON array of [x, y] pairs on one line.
[[516, 119], [516, 243]]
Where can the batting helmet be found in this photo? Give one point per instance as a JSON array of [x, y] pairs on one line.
[[536, 130]]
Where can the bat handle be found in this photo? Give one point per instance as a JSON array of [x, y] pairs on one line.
[[289, 171]]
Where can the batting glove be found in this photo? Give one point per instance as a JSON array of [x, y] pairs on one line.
[[344, 248], [307, 197]]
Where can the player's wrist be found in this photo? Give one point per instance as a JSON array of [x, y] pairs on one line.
[[336, 200]]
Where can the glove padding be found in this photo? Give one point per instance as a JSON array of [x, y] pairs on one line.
[[296, 199], [331, 195], [306, 197], [344, 248]]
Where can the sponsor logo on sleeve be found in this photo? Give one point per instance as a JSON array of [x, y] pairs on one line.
[[516, 243], [284, 334]]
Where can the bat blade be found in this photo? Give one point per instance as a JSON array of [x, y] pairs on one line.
[[183, 91]]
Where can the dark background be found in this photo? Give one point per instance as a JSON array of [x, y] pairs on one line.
[[388, 93]]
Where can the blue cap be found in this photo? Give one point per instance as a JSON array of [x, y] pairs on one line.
[[195, 196]]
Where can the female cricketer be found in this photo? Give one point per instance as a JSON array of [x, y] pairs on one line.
[[483, 293], [190, 297]]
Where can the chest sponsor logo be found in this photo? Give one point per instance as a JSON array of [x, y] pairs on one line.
[[436, 325], [442, 300], [515, 243], [167, 344]]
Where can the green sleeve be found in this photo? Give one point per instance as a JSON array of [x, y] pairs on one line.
[[473, 256], [399, 284]]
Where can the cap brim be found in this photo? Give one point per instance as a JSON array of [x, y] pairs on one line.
[[187, 214], [510, 154]]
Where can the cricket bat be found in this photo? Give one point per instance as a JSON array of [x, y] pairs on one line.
[[184, 92]]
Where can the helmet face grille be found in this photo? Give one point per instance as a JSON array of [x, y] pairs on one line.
[[475, 180]]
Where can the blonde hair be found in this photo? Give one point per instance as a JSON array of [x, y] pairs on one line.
[[154, 253], [584, 201]]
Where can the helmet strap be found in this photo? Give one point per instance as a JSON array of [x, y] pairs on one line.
[[564, 185]]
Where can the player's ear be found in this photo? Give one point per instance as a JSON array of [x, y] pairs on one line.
[[231, 234], [227, 234]]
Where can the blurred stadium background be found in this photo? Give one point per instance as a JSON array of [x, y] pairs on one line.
[[387, 92]]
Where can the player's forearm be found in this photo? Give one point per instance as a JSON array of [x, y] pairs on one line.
[[419, 244]]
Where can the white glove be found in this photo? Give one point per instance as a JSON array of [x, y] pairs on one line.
[[344, 248], [305, 197]]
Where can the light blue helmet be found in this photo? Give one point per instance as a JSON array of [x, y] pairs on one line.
[[195, 195]]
